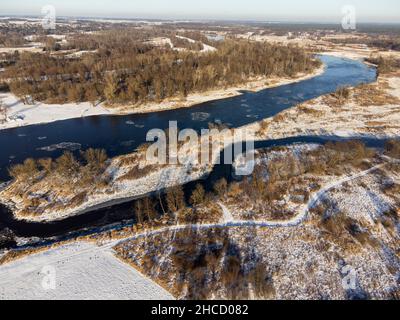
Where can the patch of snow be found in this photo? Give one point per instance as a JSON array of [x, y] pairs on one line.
[[227, 215], [79, 54], [20, 114], [206, 48], [82, 271]]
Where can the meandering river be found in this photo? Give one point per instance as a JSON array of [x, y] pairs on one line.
[[122, 134]]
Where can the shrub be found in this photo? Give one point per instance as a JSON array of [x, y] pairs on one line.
[[221, 187], [264, 125], [27, 170], [261, 282], [392, 148], [46, 164], [175, 198], [342, 93], [198, 195], [95, 158], [67, 165]]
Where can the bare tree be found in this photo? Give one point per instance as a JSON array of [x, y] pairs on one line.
[[138, 209], [198, 195], [175, 199], [221, 187], [3, 112]]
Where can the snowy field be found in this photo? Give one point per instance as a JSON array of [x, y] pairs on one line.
[[81, 271]]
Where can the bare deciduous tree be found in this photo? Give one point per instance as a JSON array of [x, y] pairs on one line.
[[3, 112]]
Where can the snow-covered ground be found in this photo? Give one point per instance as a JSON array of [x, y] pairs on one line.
[[315, 117], [20, 114], [164, 41], [81, 271], [103, 274], [21, 49], [206, 47], [305, 261], [80, 53]]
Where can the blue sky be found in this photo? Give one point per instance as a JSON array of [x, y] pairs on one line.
[[286, 10]]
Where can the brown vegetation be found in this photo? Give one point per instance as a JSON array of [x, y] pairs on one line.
[[374, 95], [338, 98], [57, 184], [265, 193], [198, 195], [364, 95], [201, 265], [385, 64], [137, 172], [126, 70], [392, 148]]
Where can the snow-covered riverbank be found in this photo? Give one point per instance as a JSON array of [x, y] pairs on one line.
[[376, 117], [20, 114]]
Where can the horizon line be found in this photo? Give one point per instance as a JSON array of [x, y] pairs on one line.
[[169, 19]]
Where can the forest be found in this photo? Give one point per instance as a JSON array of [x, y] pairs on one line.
[[125, 69]]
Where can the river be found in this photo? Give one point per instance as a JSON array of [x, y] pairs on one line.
[[122, 134]]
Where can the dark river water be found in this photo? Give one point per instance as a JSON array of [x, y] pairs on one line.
[[122, 134]]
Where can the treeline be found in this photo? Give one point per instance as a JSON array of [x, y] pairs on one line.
[[386, 44], [200, 37], [381, 43], [111, 40], [133, 72]]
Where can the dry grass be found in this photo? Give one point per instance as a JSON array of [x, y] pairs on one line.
[[374, 95], [341, 230], [305, 109], [137, 173], [43, 185], [200, 265], [264, 125], [337, 99], [278, 187]]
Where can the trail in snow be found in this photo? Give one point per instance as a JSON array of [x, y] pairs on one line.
[[229, 222], [227, 215], [27, 268]]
